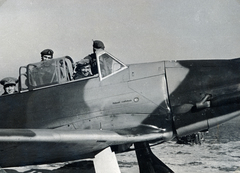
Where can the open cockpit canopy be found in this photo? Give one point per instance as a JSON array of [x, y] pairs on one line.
[[44, 73]]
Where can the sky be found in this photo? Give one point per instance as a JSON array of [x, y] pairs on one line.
[[135, 31]]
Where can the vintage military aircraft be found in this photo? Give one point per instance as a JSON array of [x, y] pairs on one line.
[[54, 118]]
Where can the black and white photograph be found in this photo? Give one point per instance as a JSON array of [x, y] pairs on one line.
[[104, 86]]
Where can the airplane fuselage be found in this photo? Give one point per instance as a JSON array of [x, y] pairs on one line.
[[149, 94], [122, 101]]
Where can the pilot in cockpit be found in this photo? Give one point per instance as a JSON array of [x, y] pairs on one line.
[[83, 69]]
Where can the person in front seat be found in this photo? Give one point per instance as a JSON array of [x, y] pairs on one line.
[[83, 69]]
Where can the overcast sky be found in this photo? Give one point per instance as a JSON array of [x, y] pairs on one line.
[[135, 31]]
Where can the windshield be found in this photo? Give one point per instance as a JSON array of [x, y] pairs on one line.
[[109, 65]]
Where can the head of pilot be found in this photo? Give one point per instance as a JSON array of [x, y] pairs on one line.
[[47, 54], [97, 44], [84, 67], [9, 85]]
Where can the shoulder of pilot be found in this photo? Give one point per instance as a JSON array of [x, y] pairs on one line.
[[4, 93], [90, 56]]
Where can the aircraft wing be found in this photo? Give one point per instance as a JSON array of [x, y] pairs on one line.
[[38, 146]]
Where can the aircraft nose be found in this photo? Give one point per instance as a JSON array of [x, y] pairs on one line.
[[224, 108], [210, 112]]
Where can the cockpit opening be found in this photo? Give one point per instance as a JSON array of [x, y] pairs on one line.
[[44, 73], [61, 70]]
